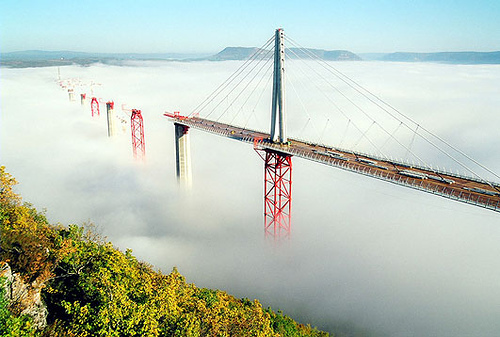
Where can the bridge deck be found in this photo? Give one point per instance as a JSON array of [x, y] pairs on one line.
[[465, 189]]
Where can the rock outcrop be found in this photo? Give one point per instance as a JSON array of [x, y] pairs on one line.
[[23, 298]]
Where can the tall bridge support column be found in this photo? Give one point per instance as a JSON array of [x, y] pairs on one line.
[[278, 117], [110, 110], [183, 155], [137, 129], [71, 94], [94, 107], [278, 166], [277, 193]]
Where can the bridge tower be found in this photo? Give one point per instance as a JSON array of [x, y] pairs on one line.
[[182, 151], [278, 165], [277, 194], [71, 93], [183, 155], [278, 102], [110, 112], [137, 126]]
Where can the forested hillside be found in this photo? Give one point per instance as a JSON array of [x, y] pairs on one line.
[[67, 281]]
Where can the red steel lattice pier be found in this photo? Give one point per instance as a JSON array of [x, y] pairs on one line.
[[277, 193], [94, 106], [137, 126]]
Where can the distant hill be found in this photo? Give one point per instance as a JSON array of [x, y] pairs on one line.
[[54, 55], [446, 57], [243, 53], [329, 55], [372, 56], [234, 53], [40, 58]]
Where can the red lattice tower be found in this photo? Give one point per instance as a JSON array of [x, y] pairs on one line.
[[94, 106], [277, 192], [137, 125]]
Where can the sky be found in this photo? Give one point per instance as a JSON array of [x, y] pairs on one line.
[[364, 255], [209, 26]]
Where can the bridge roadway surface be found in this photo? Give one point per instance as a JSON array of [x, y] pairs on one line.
[[449, 185]]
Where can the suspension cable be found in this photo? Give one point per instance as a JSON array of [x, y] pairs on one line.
[[352, 102], [376, 100], [268, 65], [259, 99], [231, 78], [341, 110], [241, 91], [302, 103]]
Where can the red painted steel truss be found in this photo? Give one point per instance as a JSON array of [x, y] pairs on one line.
[[277, 193], [137, 126], [94, 106]]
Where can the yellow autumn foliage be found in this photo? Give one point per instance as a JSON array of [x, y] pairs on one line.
[[93, 289]]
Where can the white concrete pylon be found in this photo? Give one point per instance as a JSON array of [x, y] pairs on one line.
[[110, 109], [278, 117], [183, 155], [71, 94]]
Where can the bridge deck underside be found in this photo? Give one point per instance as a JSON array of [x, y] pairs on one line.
[[465, 189]]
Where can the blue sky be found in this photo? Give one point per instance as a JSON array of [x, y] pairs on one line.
[[209, 26]]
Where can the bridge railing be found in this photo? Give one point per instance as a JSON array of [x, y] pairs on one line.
[[248, 136], [444, 191], [403, 163], [419, 184]]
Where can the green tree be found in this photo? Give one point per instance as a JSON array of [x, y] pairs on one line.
[[93, 289]]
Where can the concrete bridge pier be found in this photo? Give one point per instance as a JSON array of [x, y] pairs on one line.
[[183, 155], [110, 109], [71, 94]]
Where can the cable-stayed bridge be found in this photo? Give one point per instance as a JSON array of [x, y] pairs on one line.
[[365, 130]]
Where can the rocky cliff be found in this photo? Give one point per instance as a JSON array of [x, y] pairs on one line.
[[23, 298]]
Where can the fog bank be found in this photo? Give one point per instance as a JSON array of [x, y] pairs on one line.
[[386, 259]]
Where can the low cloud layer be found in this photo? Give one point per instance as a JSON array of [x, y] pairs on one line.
[[363, 253]]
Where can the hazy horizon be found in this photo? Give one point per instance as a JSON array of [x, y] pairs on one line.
[[217, 51]]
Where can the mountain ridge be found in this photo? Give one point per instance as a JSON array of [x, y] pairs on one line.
[[243, 53], [41, 58]]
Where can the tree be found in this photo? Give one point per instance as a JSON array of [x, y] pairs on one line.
[[93, 289]]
